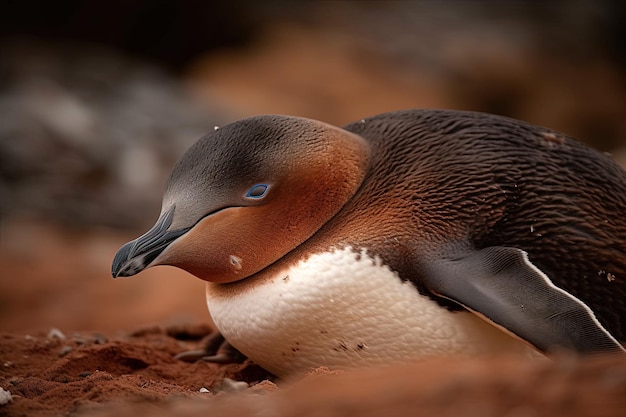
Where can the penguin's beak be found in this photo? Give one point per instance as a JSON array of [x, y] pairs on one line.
[[138, 254]]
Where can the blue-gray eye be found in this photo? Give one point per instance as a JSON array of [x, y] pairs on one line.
[[257, 191]]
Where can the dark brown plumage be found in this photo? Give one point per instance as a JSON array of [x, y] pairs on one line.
[[485, 180]]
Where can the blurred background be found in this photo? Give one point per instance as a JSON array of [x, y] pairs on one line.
[[99, 99]]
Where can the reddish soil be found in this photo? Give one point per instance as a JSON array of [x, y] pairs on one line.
[[87, 374], [54, 374]]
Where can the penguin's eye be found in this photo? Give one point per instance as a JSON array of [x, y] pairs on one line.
[[257, 191]]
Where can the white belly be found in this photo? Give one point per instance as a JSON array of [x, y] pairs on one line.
[[343, 309]]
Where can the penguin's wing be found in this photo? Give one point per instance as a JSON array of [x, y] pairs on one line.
[[503, 286]]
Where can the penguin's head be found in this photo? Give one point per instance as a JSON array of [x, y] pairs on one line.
[[246, 194]]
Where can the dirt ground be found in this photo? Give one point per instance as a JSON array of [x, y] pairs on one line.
[[87, 374]]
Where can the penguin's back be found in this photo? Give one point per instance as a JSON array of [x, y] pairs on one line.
[[463, 178]]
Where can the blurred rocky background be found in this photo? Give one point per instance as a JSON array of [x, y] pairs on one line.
[[99, 99]]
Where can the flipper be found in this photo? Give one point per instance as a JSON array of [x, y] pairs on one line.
[[503, 286]]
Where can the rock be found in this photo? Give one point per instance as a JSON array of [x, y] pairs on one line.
[[86, 133], [5, 396]]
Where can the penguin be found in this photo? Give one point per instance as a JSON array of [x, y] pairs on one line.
[[398, 237]]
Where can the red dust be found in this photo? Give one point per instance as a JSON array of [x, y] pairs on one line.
[[88, 375], [52, 375]]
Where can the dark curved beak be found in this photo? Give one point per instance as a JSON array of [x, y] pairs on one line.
[[138, 254]]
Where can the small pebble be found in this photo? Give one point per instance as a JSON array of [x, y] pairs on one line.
[[5, 396], [229, 385], [55, 333], [65, 350], [203, 390], [78, 339]]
